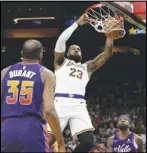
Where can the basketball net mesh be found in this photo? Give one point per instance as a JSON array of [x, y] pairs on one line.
[[104, 20]]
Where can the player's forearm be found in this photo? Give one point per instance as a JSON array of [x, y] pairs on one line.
[[61, 42], [108, 46], [52, 119]]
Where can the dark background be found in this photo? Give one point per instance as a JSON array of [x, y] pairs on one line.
[[121, 68]]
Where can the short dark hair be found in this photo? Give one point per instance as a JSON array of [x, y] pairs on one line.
[[31, 49]]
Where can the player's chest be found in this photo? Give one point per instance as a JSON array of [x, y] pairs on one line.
[[125, 146], [75, 72]]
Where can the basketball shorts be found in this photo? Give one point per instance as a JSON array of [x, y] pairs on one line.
[[25, 134], [77, 116]]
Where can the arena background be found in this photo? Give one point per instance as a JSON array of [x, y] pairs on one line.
[[118, 87]]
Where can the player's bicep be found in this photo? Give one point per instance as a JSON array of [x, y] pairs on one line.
[[109, 145], [48, 91]]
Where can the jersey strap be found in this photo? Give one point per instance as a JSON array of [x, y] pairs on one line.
[[66, 95]]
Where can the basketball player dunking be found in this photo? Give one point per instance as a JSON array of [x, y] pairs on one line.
[[24, 86], [124, 140], [71, 79]]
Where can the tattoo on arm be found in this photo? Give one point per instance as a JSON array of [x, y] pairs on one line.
[[99, 61], [102, 58]]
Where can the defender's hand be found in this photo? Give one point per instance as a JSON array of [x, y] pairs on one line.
[[82, 20]]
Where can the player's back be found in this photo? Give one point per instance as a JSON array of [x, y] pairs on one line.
[[21, 113], [124, 145], [22, 89]]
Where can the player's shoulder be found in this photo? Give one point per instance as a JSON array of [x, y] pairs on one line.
[[57, 67], [138, 139], [137, 136], [4, 72], [5, 69], [111, 138], [46, 71]]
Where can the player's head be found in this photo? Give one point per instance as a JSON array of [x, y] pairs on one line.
[[74, 53], [32, 50], [123, 122]]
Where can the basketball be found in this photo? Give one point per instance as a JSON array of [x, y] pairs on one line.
[[113, 24]]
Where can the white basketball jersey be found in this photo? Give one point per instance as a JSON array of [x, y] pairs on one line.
[[71, 78]]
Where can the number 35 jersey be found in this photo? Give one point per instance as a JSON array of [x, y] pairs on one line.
[[22, 89], [71, 78]]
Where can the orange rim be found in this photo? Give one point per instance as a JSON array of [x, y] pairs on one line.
[[93, 6]]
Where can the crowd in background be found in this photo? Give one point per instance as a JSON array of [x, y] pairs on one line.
[[105, 108]]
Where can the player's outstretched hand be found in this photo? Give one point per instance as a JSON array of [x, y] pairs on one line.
[[82, 20]]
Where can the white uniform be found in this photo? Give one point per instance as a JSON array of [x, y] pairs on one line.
[[71, 81]]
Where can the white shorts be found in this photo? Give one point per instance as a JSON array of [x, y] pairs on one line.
[[77, 116]]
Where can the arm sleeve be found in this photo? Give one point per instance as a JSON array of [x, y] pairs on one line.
[[61, 42]]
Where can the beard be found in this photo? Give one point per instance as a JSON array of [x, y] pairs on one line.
[[75, 58], [123, 127]]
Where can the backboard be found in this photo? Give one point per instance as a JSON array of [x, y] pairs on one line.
[[133, 12]]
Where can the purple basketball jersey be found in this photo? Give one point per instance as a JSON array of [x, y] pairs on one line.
[[124, 145], [22, 91]]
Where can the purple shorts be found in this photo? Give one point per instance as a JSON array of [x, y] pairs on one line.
[[26, 134]]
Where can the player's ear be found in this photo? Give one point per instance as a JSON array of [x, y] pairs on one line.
[[21, 52]]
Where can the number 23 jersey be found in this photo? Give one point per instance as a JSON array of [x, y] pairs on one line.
[[71, 78]]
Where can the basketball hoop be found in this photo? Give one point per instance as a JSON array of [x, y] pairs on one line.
[[104, 20]]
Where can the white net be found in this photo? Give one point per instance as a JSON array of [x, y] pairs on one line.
[[105, 20]]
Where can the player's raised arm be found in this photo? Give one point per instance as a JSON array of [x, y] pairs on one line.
[[102, 58], [60, 48], [49, 108], [109, 144]]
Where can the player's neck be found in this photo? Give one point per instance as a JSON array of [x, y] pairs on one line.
[[124, 134], [29, 61]]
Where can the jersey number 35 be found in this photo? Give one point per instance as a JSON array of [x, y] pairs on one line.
[[25, 94]]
